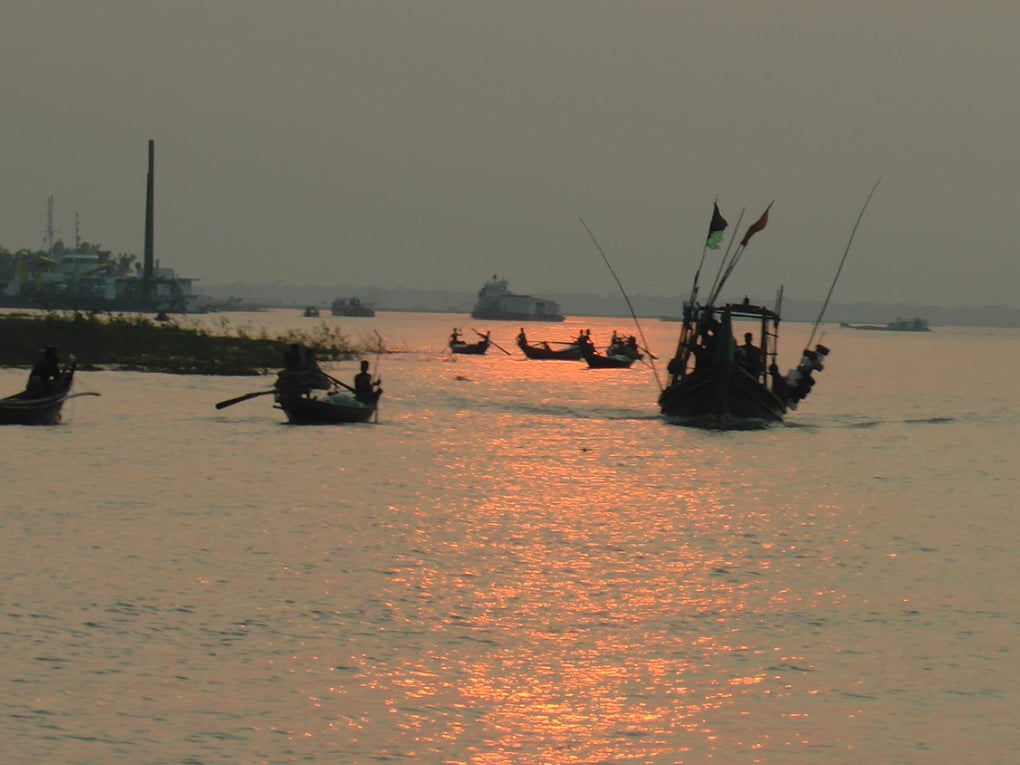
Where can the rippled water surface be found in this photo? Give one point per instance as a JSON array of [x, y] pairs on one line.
[[519, 563]]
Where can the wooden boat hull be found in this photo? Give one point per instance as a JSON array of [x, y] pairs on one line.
[[303, 410], [22, 410], [470, 349], [609, 361], [541, 353], [723, 397]]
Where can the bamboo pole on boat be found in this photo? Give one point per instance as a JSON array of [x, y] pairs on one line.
[[637, 323], [753, 229], [726, 255], [839, 270], [704, 247]]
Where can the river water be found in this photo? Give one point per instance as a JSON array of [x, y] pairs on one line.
[[519, 563]]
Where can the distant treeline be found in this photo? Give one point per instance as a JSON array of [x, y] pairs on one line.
[[135, 342]]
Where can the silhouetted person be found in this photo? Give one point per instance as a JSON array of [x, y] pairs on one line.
[[301, 371], [752, 355], [455, 336], [366, 390], [44, 374], [293, 358]]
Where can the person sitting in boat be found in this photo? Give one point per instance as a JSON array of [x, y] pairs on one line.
[[366, 390], [630, 347], [522, 339], [455, 336], [44, 374], [301, 371], [750, 355]]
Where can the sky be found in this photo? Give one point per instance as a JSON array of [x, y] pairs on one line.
[[430, 144]]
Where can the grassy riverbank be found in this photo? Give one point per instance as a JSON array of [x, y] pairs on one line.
[[138, 343]]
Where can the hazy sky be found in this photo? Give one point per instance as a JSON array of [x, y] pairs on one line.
[[431, 143]]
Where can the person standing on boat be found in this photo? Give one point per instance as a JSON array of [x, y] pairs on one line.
[[751, 355], [366, 390], [44, 374], [455, 336]]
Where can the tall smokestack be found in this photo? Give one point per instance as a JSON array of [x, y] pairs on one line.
[[147, 271]]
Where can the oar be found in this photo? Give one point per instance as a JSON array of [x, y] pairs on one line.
[[239, 399], [83, 393], [341, 383], [375, 372], [492, 342]]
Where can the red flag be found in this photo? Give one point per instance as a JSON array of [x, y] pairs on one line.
[[757, 226]]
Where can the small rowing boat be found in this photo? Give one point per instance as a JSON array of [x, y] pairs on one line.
[[331, 408], [27, 409], [469, 349]]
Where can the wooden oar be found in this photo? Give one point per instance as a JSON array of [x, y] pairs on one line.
[[239, 399], [341, 383], [375, 372], [491, 342]]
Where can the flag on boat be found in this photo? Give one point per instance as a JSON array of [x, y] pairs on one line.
[[715, 228], [757, 226]]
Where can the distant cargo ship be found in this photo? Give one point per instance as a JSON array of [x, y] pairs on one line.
[[496, 302], [900, 325], [352, 307]]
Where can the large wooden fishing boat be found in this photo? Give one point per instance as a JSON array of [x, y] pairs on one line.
[[715, 383], [26, 409]]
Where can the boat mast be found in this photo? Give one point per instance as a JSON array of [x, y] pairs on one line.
[[147, 271]]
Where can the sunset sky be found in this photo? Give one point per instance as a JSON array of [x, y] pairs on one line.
[[432, 144]]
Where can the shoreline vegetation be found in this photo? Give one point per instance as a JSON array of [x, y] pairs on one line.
[[137, 343]]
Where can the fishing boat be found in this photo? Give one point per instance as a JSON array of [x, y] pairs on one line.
[[714, 383], [496, 302], [916, 324], [469, 349], [328, 408], [598, 360], [26, 409], [309, 396], [543, 351], [621, 353], [311, 312], [351, 307]]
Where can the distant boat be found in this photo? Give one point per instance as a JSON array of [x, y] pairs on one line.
[[598, 360], [544, 352], [311, 312], [621, 354], [496, 302], [471, 349], [351, 307], [916, 324]]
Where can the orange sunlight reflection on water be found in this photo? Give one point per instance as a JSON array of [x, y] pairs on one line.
[[588, 625]]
